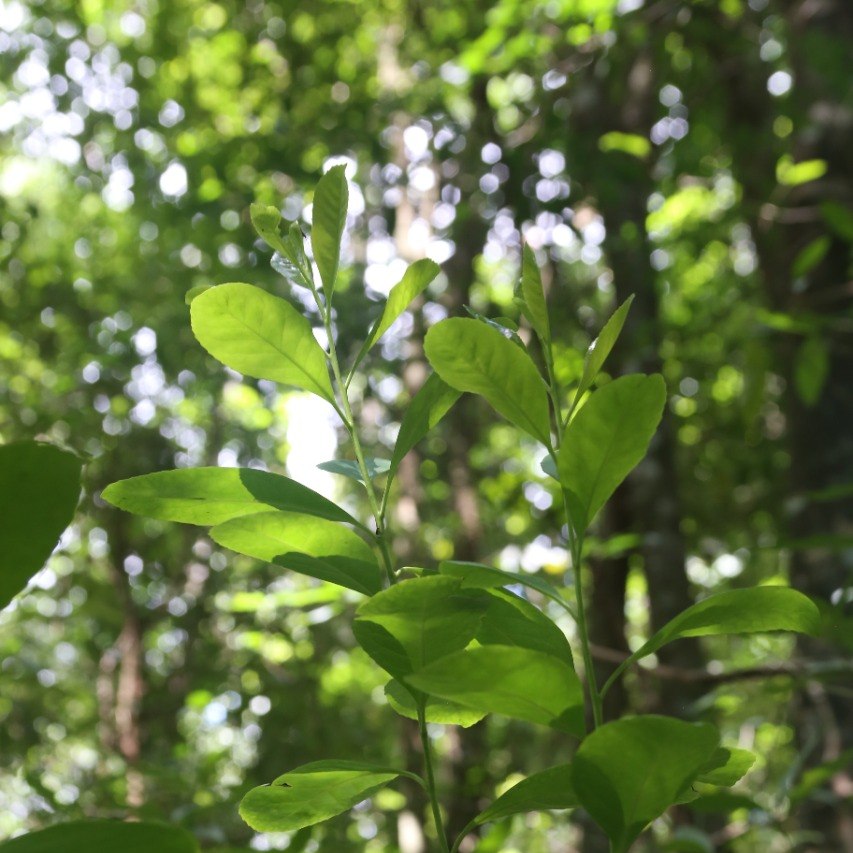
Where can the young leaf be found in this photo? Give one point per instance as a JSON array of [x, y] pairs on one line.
[[39, 490], [478, 576], [266, 220], [311, 546], [405, 627], [294, 265], [328, 217], [471, 356], [606, 439], [534, 295], [548, 790], [517, 682], [312, 793], [349, 468], [601, 347], [628, 772], [415, 280], [437, 710], [512, 621], [95, 835], [260, 335], [432, 402], [726, 766], [207, 496]]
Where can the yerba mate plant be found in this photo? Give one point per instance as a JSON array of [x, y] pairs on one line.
[[456, 643]]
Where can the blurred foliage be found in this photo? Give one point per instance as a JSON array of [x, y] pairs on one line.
[[148, 672]]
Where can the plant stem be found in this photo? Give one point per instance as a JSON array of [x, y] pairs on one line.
[[576, 549], [349, 422], [430, 778]]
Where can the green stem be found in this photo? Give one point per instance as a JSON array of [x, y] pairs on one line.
[[349, 423], [576, 549], [430, 778]]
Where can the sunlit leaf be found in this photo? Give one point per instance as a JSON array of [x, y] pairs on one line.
[[606, 439], [39, 490], [628, 772], [207, 496], [416, 621], [305, 544], [312, 793], [415, 280], [470, 356], [548, 790], [791, 174], [104, 835], [260, 335], [602, 346], [726, 766], [329, 214], [437, 710], [516, 682], [432, 402]]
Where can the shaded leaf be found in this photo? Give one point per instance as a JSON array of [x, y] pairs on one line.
[[266, 221], [329, 213], [810, 256], [437, 710], [89, 836], [207, 496], [534, 294], [471, 356], [431, 403], [628, 772], [294, 264], [414, 622], [308, 545], [39, 490], [260, 335], [516, 682], [726, 766], [811, 369], [606, 439], [550, 789], [349, 467], [312, 793], [601, 347]]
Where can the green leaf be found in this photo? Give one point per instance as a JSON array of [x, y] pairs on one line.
[[266, 220], [415, 280], [511, 621], [294, 265], [328, 218], [791, 174], [478, 576], [726, 766], [628, 143], [349, 467], [811, 369], [810, 256], [517, 682], [207, 496], [601, 347], [91, 836], [437, 710], [737, 611], [312, 793], [606, 439], [260, 335], [628, 772], [308, 545], [414, 622], [534, 295], [432, 402], [839, 218], [544, 791], [39, 490], [499, 325], [471, 356]]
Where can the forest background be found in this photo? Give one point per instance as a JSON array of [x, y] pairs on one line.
[[695, 154]]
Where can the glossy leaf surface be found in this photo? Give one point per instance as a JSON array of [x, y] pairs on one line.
[[628, 772], [312, 546], [349, 467], [39, 490], [471, 356], [516, 682], [312, 793], [602, 346], [606, 439], [329, 213], [212, 495], [260, 335]]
